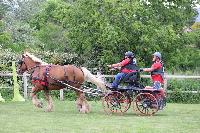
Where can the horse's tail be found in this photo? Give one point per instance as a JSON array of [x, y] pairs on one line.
[[88, 76]]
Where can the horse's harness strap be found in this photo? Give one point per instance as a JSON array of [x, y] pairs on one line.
[[32, 68], [43, 82], [65, 73], [46, 73], [37, 80], [74, 74]]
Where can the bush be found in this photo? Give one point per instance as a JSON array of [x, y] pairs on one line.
[[181, 91], [180, 97], [7, 93], [175, 86]]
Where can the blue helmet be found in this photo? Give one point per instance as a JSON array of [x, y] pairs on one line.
[[157, 54], [129, 54]]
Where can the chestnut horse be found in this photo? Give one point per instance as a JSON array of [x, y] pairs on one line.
[[48, 77]]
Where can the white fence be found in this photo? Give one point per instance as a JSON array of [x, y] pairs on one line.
[[167, 77]]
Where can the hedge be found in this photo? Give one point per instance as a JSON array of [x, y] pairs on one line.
[[174, 86]]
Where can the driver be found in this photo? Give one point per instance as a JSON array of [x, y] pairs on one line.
[[128, 65]]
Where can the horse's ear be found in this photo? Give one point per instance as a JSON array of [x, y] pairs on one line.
[[24, 54], [26, 50]]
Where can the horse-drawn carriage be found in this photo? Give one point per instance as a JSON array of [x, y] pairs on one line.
[[133, 92], [145, 101], [48, 77]]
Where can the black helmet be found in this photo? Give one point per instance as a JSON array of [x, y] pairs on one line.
[[129, 54]]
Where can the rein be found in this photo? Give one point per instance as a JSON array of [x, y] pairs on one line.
[[32, 68], [87, 90], [23, 62]]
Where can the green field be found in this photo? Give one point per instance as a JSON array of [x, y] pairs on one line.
[[23, 117]]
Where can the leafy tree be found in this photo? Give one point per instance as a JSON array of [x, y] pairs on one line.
[[4, 36], [100, 32], [106, 29], [15, 19], [49, 26], [3, 9]]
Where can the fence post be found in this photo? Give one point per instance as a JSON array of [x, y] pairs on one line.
[[61, 95], [1, 99], [25, 85], [17, 96], [165, 82]]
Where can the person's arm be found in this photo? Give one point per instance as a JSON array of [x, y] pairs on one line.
[[148, 69], [153, 67], [115, 65], [120, 64]]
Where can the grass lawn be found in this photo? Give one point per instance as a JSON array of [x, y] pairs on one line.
[[23, 117]]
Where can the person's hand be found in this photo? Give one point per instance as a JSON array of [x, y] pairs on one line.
[[109, 66], [141, 70]]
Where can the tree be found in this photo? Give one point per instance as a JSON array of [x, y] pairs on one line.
[[109, 28], [15, 20], [49, 28], [4, 36], [3, 9], [100, 32]]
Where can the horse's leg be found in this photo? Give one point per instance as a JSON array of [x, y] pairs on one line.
[[35, 100], [78, 101], [49, 101], [81, 103]]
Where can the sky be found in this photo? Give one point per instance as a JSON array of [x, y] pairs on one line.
[[198, 18]]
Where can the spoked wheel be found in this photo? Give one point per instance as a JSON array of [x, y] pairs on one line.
[[145, 104], [128, 100], [161, 101], [115, 102]]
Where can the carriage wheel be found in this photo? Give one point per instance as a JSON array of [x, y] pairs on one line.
[[145, 104], [128, 100], [115, 102], [161, 101]]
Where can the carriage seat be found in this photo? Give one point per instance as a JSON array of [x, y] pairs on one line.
[[131, 77]]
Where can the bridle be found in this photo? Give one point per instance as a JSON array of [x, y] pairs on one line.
[[21, 62]]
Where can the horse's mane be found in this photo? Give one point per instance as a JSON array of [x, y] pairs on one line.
[[35, 59]]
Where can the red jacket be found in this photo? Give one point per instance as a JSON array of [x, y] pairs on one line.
[[157, 77]]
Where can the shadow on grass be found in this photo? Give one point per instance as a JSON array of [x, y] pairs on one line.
[[133, 114]]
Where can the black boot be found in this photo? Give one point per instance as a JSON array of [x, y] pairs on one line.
[[110, 87]]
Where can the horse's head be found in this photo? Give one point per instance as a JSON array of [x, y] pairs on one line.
[[23, 64], [28, 62]]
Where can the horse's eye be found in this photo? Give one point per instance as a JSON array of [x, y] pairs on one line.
[[19, 62]]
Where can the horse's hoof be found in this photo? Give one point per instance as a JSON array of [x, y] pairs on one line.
[[40, 105], [48, 110], [84, 111]]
